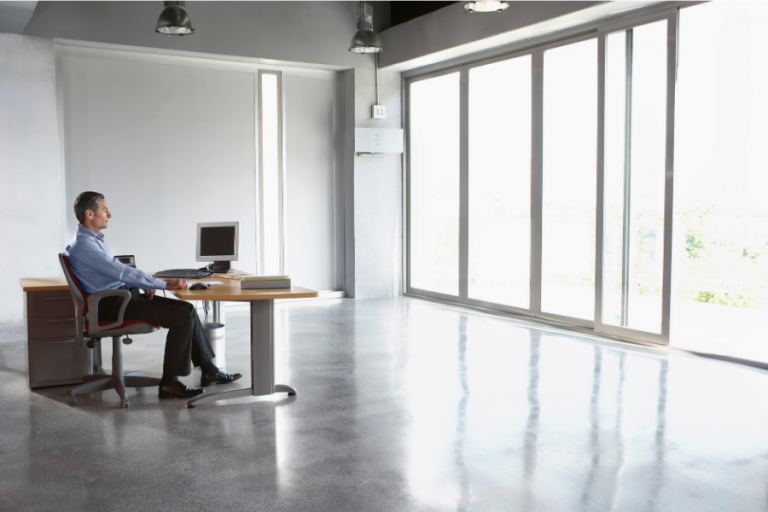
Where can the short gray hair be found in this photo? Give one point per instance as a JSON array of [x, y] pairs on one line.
[[86, 201]]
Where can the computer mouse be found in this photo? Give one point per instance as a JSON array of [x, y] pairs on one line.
[[199, 286]]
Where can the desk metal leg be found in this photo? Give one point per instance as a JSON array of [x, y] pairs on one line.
[[262, 359], [218, 311]]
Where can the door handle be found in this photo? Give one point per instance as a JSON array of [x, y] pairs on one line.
[[61, 320], [60, 341], [58, 298]]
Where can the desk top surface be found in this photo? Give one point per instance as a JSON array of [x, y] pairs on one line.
[[229, 291]]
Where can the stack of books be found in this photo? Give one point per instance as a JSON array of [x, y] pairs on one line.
[[264, 282]]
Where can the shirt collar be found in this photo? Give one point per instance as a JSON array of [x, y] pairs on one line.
[[82, 230]]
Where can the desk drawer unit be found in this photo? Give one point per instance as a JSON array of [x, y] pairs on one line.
[[53, 356]]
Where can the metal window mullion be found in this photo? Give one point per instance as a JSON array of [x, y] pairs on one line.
[[408, 213], [673, 22], [463, 184], [627, 181], [600, 207], [537, 174]]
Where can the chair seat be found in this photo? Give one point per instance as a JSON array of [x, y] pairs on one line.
[[127, 327]]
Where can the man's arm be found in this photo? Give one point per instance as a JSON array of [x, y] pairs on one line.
[[103, 263], [170, 284]]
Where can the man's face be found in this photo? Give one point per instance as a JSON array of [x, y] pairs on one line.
[[99, 219]]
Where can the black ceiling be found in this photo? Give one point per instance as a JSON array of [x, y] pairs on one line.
[[400, 12]]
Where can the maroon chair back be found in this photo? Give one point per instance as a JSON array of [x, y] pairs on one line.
[[78, 297]]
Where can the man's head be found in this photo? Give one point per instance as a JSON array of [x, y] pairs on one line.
[[91, 211]]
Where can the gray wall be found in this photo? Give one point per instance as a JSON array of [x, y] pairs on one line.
[[314, 245], [316, 33], [29, 168], [373, 201]]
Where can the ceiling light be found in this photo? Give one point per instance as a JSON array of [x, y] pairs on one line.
[[174, 20], [365, 40], [486, 6]]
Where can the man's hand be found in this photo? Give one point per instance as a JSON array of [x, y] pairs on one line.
[[176, 284], [149, 294]]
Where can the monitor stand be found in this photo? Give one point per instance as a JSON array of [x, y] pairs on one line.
[[219, 267]]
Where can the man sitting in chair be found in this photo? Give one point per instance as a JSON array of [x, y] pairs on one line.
[[96, 270]]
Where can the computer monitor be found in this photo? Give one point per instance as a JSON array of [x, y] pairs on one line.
[[218, 242]]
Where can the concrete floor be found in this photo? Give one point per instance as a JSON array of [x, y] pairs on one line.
[[402, 405]]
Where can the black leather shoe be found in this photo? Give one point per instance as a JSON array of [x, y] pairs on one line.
[[178, 390], [218, 378]]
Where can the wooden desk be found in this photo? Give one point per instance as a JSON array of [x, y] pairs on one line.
[[262, 331], [262, 334], [53, 356]]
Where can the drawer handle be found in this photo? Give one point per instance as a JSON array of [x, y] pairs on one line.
[[58, 298], [60, 341], [61, 319]]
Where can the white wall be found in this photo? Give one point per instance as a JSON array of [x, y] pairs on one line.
[[29, 168], [168, 144], [172, 141]]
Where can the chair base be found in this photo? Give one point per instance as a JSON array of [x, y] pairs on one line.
[[103, 382]]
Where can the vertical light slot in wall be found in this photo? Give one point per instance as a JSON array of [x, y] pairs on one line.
[[271, 176], [500, 182], [569, 180]]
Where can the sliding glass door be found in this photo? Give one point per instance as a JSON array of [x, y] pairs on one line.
[[541, 183], [634, 181], [569, 181], [720, 263], [434, 185], [499, 183]]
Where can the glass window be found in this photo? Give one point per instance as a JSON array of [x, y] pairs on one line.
[[720, 247], [500, 182], [569, 180], [434, 184], [635, 149]]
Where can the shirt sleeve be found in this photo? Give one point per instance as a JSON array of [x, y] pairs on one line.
[[103, 263]]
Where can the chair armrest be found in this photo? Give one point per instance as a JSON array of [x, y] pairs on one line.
[[93, 309]]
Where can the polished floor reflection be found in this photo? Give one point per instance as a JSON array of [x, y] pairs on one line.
[[402, 405]]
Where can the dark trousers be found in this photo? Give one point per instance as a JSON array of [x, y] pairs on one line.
[[186, 339]]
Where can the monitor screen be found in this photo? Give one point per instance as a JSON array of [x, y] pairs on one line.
[[217, 241]]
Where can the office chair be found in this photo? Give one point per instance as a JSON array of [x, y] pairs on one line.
[[89, 331]]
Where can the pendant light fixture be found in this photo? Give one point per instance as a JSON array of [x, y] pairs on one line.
[[486, 6], [174, 20], [365, 40]]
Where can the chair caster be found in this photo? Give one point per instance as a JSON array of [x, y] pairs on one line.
[[71, 401], [125, 403]]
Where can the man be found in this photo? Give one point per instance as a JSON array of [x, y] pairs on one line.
[[96, 270]]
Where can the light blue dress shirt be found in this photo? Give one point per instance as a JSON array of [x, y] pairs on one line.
[[96, 269]]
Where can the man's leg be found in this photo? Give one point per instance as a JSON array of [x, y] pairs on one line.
[[186, 338], [202, 354]]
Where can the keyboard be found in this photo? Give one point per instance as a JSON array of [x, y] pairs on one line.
[[184, 273]]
